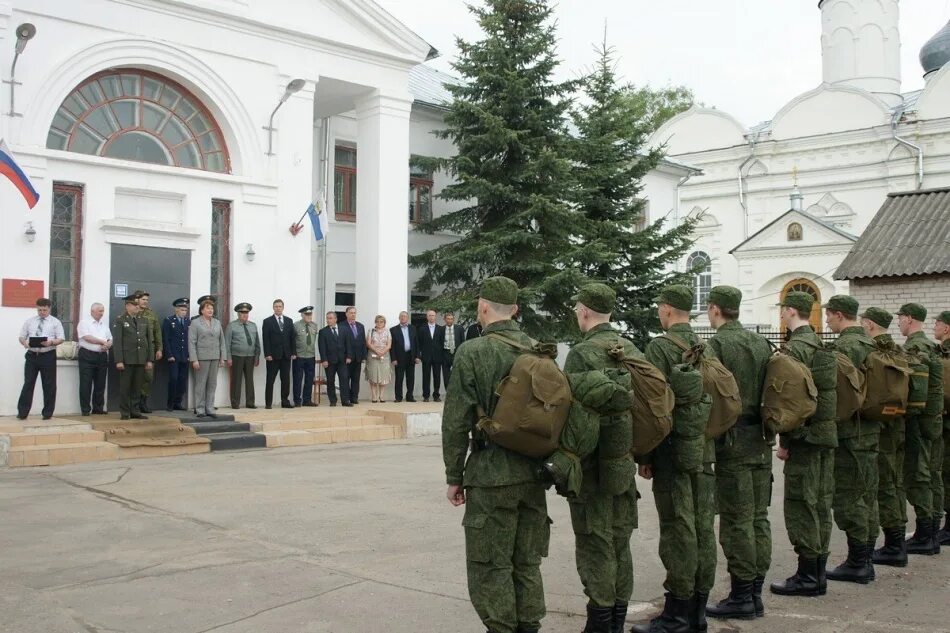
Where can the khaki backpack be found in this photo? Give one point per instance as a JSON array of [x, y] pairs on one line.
[[887, 380], [719, 383], [789, 395], [851, 389], [945, 363], [533, 404], [653, 401], [917, 391]]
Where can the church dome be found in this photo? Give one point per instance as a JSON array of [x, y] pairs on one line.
[[936, 52]]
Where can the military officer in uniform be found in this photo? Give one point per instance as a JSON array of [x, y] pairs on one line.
[[808, 453], [133, 351], [923, 450], [942, 334], [155, 334], [202, 299], [602, 522], [175, 346], [685, 501], [743, 462], [856, 478], [244, 345], [305, 363], [892, 508], [507, 528]]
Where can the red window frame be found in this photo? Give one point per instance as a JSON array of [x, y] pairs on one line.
[[418, 182], [343, 211]]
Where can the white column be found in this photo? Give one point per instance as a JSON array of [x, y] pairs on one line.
[[382, 212]]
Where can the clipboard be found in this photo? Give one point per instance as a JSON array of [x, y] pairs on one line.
[[37, 341]]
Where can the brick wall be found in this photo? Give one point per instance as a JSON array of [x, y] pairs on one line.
[[890, 293]]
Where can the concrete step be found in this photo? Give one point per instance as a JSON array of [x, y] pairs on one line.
[[43, 438], [321, 422], [188, 417], [333, 435], [217, 426], [140, 452], [236, 441], [61, 454]]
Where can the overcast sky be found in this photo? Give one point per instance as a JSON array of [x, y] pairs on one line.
[[747, 57]]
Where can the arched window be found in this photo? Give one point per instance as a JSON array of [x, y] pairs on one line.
[[794, 232], [141, 116], [700, 265]]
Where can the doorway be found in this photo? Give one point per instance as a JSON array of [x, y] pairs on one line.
[[806, 285]]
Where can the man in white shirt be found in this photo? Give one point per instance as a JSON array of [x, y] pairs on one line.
[[40, 335], [95, 341]]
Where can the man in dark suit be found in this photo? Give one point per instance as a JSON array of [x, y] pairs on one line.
[[280, 348], [175, 343], [452, 336], [404, 355], [357, 335], [336, 355], [474, 331], [431, 339]]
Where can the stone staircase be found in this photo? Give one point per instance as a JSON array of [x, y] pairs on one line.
[[325, 425]]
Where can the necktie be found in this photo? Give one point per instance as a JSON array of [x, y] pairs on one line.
[[280, 324], [247, 334], [181, 322], [450, 340], [39, 328], [334, 330], [309, 335]]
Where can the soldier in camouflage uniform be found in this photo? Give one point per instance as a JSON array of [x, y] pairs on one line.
[[507, 528], [856, 478], [155, 335], [602, 522], [132, 347], [743, 462], [923, 456], [808, 453], [892, 508], [942, 334], [685, 501]]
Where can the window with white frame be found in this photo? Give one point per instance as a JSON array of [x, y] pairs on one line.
[[700, 265]]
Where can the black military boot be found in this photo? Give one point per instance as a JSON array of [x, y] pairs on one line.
[[803, 583], [674, 619], [943, 535], [524, 628], [894, 551], [822, 576], [618, 618], [854, 568], [143, 405], [598, 619], [697, 612], [936, 532], [922, 542], [757, 596], [738, 605], [870, 554]]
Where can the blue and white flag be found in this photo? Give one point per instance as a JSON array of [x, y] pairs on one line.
[[318, 219]]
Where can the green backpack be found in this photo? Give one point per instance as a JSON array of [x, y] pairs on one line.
[[653, 401], [887, 380], [917, 391], [789, 395], [533, 404]]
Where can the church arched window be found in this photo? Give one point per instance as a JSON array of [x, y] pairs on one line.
[[700, 265], [794, 232], [141, 116]]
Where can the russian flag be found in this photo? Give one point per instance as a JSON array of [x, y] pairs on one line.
[[318, 219], [10, 169]]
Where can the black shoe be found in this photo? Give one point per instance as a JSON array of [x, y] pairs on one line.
[[267, 406], [855, 566], [524, 628], [99, 412], [398, 400], [139, 416], [213, 416], [309, 404], [757, 596], [410, 399], [870, 565], [86, 413], [286, 405], [425, 399], [738, 605], [297, 404], [598, 619], [47, 417], [697, 612], [347, 404], [803, 583], [123, 417], [894, 551], [143, 405], [169, 408], [923, 541], [673, 619], [936, 533], [436, 399], [180, 408], [354, 401], [201, 415], [943, 535], [332, 404], [250, 406], [822, 575], [618, 617]]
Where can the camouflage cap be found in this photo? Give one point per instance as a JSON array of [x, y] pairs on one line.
[[842, 303], [879, 315], [677, 296], [944, 317], [801, 301], [499, 290], [598, 297], [914, 311], [726, 297]]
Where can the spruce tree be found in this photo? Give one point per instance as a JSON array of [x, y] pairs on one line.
[[610, 162], [507, 122]]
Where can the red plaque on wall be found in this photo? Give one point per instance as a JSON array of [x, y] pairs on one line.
[[21, 293]]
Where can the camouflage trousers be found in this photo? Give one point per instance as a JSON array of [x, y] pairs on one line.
[[937, 459], [892, 505], [743, 497], [809, 491], [507, 531], [147, 381], [856, 485], [603, 525], [946, 465], [919, 463], [685, 503]]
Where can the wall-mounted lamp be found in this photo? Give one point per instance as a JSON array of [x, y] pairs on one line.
[[249, 253], [24, 33], [294, 86], [29, 232]]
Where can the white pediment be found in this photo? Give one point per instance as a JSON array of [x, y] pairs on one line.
[[809, 231]]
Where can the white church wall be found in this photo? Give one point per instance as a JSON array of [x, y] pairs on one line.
[[697, 129], [828, 109], [934, 102]]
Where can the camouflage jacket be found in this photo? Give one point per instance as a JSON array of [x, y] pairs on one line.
[[155, 328], [478, 367], [920, 344], [745, 354], [818, 432], [854, 343]]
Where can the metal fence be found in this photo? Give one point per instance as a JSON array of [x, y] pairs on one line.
[[769, 332]]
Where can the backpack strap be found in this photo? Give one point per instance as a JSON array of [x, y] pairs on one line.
[[680, 344], [536, 348]]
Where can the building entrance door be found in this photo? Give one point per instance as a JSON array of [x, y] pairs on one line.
[[166, 274], [806, 285]]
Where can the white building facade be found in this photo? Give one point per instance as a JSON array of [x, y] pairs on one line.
[[781, 203]]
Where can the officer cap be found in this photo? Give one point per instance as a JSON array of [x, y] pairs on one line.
[[727, 297], [677, 296], [499, 290], [204, 298], [244, 306], [914, 310], [944, 317], [878, 315], [598, 297], [801, 301], [843, 304], [180, 303], [132, 298], [141, 293], [306, 310]]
